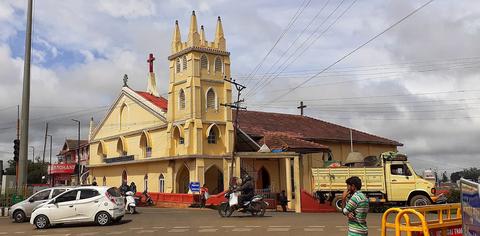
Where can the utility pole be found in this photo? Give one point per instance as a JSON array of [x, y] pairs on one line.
[[15, 155], [237, 107], [301, 107], [78, 152], [22, 170], [44, 145], [50, 163]]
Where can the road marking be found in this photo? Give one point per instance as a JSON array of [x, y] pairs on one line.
[[85, 234], [280, 226], [278, 229], [19, 232], [341, 226], [253, 226], [158, 227], [316, 226], [206, 226], [146, 231], [139, 228], [178, 230], [313, 229], [207, 230], [228, 226], [241, 229], [2, 233], [181, 227], [116, 232]]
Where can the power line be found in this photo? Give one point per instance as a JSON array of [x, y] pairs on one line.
[[290, 24], [354, 50], [269, 80], [296, 39]]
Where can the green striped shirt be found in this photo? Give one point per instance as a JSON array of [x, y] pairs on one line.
[[358, 205]]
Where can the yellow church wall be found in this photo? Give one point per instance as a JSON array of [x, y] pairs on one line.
[[159, 143]]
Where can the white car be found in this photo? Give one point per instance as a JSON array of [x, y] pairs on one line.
[[101, 205], [22, 210]]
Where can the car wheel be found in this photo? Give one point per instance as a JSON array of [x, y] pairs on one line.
[[337, 203], [419, 200], [41, 222], [103, 218], [19, 216]]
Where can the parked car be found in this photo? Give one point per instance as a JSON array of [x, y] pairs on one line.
[[99, 204], [22, 210]]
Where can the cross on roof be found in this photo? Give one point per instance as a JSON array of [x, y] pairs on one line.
[[150, 62], [301, 107]]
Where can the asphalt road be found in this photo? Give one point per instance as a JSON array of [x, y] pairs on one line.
[[156, 221]]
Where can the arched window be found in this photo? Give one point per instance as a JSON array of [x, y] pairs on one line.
[[161, 182], [145, 145], [177, 65], [123, 117], [101, 150], [124, 177], [184, 59], [181, 99], [218, 64], [121, 147], [211, 99], [204, 62], [212, 136]]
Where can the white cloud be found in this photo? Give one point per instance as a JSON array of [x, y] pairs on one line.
[[128, 9]]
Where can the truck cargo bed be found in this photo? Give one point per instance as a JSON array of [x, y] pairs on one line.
[[333, 179]]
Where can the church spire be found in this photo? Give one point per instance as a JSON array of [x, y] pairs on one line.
[[203, 41], [177, 40], [193, 36], [219, 38]]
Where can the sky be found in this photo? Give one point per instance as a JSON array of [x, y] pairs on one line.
[[417, 83]]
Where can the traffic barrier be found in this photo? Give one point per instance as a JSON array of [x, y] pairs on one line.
[[441, 220]]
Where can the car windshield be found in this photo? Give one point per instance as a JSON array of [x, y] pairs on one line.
[[114, 192]]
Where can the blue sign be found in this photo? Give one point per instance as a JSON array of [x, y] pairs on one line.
[[194, 186]]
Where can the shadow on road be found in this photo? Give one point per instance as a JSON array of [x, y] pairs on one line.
[[57, 226]]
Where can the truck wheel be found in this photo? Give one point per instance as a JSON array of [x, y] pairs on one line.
[[419, 200], [337, 203]]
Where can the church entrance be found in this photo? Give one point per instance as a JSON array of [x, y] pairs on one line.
[[183, 180], [214, 180], [263, 179]]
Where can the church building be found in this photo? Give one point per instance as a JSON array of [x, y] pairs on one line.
[[164, 144]]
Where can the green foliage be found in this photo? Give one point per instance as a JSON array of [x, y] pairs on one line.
[[35, 171], [472, 174], [444, 177], [453, 196]]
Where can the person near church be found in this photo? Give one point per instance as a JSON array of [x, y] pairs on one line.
[[203, 195], [247, 190], [283, 201], [356, 207]]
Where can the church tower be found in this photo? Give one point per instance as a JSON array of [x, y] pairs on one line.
[[197, 123]]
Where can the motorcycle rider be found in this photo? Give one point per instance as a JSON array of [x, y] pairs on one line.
[[247, 190]]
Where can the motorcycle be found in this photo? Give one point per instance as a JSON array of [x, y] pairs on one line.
[[146, 199], [130, 204], [256, 206]]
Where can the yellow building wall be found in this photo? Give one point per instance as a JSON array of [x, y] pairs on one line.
[[340, 151]]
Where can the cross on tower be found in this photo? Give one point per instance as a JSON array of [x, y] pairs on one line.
[[150, 62], [301, 107]]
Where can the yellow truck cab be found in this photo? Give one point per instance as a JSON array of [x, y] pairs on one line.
[[392, 180]]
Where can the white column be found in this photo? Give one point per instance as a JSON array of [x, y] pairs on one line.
[[288, 183], [296, 178]]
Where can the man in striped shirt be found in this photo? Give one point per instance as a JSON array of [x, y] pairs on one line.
[[355, 208]]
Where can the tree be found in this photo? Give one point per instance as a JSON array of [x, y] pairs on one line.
[[455, 176], [444, 177], [471, 174], [35, 171]]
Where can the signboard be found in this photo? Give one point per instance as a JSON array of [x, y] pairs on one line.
[[470, 199], [119, 159], [194, 186], [61, 169]]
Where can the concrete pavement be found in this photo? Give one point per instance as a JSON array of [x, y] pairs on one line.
[[155, 221]]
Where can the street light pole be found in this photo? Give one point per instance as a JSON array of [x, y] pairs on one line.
[[78, 152], [50, 163]]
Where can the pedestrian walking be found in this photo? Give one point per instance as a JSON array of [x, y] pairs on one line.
[[283, 200], [355, 208], [203, 195]]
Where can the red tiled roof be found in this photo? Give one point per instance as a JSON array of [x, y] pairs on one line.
[[160, 102], [278, 140], [258, 124]]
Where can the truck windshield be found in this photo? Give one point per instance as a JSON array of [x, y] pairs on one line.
[[400, 169]]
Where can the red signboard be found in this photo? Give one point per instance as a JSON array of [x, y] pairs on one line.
[[61, 169]]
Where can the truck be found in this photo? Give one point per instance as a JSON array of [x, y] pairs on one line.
[[391, 180]]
